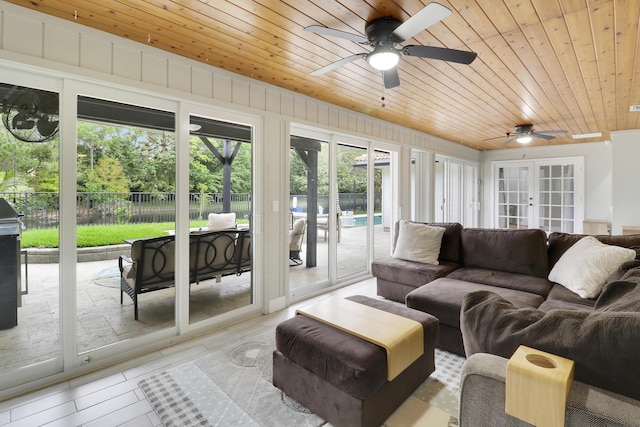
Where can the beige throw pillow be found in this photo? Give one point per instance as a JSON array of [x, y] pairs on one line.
[[585, 266], [418, 242], [221, 221]]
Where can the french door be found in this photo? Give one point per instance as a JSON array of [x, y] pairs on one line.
[[545, 194]]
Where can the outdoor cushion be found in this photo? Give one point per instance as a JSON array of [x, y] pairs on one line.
[[221, 221]]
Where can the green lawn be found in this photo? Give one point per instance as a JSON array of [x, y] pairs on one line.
[[102, 235]]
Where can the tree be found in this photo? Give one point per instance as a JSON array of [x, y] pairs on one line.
[[107, 176]]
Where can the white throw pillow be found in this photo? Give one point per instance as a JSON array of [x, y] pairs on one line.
[[221, 221], [585, 266], [418, 242]]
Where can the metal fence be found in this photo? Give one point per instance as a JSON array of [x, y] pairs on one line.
[[42, 210], [356, 202]]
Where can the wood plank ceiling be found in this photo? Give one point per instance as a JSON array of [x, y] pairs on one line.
[[556, 64]]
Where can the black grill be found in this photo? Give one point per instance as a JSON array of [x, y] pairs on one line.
[[10, 286]]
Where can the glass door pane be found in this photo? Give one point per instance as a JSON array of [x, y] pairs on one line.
[[455, 189], [471, 195], [352, 240], [125, 222], [557, 197], [220, 195], [439, 189], [514, 197], [29, 238], [382, 203], [309, 216]]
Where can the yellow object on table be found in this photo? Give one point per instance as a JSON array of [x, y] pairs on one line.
[[402, 338], [537, 387]]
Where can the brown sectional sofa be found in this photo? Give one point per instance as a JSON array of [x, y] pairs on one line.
[[511, 263], [494, 295]]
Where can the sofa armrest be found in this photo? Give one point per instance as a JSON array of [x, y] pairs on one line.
[[482, 394]]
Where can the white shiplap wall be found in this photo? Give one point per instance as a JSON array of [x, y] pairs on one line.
[[56, 44]]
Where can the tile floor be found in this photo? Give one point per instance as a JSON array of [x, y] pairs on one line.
[[111, 396]]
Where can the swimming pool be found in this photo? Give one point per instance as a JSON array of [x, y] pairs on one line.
[[361, 220]]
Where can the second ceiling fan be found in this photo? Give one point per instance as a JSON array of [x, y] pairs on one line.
[[524, 133], [383, 34]]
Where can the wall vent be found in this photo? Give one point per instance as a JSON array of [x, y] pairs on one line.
[[634, 108]]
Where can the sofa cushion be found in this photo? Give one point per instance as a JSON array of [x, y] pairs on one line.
[[561, 294], [450, 248], [443, 298], [586, 265], [521, 282], [556, 304], [624, 268], [512, 251], [410, 273], [603, 345], [622, 295], [418, 242], [560, 242]]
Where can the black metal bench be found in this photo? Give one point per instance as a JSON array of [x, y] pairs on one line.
[[151, 264]]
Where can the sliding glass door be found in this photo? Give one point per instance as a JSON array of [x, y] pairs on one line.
[[30, 292], [312, 218], [340, 195], [125, 215], [220, 217], [352, 168]]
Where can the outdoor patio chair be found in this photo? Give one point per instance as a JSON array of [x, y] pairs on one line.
[[296, 235]]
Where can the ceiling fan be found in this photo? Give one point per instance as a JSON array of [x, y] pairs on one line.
[[383, 34], [524, 133]]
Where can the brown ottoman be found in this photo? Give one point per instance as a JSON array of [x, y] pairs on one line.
[[341, 377]]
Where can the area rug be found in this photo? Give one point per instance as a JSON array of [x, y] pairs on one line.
[[233, 386], [109, 277]]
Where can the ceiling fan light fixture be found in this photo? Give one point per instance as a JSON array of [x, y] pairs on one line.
[[383, 59], [525, 139]]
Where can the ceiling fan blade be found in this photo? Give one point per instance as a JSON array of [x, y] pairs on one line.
[[513, 138], [427, 16], [552, 131], [542, 136], [391, 78], [337, 33], [337, 64], [452, 55]]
